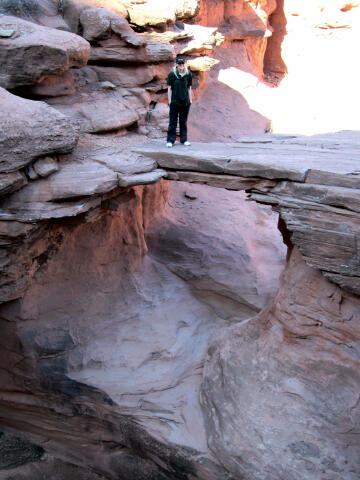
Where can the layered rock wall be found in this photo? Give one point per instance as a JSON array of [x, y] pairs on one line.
[[137, 336]]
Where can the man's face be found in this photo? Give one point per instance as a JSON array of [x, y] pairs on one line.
[[181, 67]]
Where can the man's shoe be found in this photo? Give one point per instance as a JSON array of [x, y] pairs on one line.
[[187, 144], [169, 144]]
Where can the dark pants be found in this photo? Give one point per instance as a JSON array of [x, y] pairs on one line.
[[181, 112]]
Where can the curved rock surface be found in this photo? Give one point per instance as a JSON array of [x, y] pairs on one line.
[[140, 340], [25, 122], [32, 51]]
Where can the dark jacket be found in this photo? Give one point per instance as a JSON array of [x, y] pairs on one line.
[[179, 87]]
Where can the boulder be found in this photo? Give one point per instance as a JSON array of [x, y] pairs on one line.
[[73, 8], [34, 51], [98, 23], [100, 111], [246, 19], [202, 64], [186, 8], [26, 122], [160, 116], [152, 13], [46, 166]]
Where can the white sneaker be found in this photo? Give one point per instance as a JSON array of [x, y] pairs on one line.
[[169, 144], [187, 143]]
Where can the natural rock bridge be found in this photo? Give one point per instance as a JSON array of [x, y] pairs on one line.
[[313, 182]]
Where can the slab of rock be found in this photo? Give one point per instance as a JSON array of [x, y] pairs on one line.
[[46, 166], [202, 64], [20, 53], [274, 159], [96, 167], [10, 182], [322, 218], [224, 158], [99, 111], [230, 182], [152, 13], [141, 178], [126, 75], [117, 50], [348, 198], [203, 38], [99, 23], [74, 179], [25, 122]]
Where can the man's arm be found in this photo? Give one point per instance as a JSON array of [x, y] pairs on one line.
[[190, 94], [169, 94]]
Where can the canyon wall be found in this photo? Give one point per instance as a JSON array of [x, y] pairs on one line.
[[147, 331]]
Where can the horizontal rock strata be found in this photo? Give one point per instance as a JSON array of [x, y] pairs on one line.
[[316, 189]]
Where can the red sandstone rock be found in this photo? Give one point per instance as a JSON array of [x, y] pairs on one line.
[[126, 76], [98, 23], [289, 377], [20, 53], [31, 129], [52, 86]]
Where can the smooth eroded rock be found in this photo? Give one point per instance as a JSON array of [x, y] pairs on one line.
[[31, 129], [33, 51]]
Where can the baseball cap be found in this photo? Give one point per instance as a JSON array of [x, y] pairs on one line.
[[180, 60]]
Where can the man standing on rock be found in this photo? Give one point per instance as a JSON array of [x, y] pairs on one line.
[[179, 81]]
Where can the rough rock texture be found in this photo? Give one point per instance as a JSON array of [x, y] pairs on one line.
[[24, 123], [20, 53], [281, 391]]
